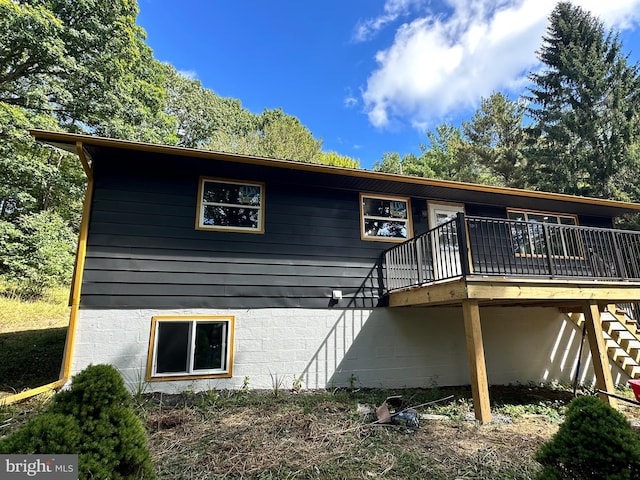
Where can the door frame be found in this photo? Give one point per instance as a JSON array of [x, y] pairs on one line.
[[432, 208], [450, 206]]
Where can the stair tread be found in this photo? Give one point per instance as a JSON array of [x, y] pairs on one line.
[[621, 339]]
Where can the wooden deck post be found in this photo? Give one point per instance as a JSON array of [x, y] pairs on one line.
[[477, 367], [601, 367]]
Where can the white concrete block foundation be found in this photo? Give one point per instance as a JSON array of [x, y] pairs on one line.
[[382, 347]]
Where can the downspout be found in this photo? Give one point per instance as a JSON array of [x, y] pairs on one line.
[[74, 297]]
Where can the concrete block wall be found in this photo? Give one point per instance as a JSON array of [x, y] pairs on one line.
[[382, 347]]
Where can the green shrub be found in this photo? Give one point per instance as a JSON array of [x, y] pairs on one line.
[[594, 442], [50, 433], [93, 390], [94, 419]]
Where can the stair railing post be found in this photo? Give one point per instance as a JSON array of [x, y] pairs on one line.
[[463, 246]]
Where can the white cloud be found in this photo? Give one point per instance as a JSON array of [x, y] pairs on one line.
[[350, 101], [392, 10], [440, 65]]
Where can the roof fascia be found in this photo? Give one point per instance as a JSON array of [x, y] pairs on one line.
[[68, 141]]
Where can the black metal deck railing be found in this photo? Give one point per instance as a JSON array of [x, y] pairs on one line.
[[482, 246]]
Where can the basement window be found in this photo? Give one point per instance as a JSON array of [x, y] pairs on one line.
[[188, 347], [384, 218], [230, 205]]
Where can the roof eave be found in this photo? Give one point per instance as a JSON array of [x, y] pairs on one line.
[[68, 141]]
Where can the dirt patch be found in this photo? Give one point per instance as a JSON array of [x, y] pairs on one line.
[[320, 438]]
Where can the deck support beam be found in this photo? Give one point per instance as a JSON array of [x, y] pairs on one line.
[[601, 368], [477, 366]]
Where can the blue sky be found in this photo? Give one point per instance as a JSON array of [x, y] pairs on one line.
[[365, 76]]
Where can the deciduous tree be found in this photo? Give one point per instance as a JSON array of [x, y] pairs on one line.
[[337, 160], [202, 117]]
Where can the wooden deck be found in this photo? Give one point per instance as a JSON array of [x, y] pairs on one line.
[[588, 297], [514, 291], [475, 262]]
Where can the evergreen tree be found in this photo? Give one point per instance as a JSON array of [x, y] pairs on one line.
[[584, 103], [447, 156], [496, 139]]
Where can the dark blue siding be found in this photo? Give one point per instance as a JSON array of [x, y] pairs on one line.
[[145, 252]]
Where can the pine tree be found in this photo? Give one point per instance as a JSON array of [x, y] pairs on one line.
[[585, 104], [496, 139]]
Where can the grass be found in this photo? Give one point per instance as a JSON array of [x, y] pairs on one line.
[[323, 435], [16, 314], [32, 335]]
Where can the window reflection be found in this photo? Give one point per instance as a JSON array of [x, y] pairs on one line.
[[385, 218], [227, 205], [529, 236]]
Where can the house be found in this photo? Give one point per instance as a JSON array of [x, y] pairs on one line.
[[200, 270]]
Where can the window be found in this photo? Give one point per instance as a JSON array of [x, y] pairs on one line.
[[529, 238], [385, 218], [231, 206], [198, 346]]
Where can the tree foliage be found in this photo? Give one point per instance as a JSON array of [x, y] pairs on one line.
[[33, 56], [391, 163], [84, 62], [448, 156], [585, 106], [337, 160], [496, 139], [271, 134], [38, 252], [84, 66], [285, 137], [202, 116]]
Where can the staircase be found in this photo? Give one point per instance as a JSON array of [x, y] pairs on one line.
[[622, 338]]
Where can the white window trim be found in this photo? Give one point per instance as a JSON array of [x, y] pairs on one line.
[[227, 341], [200, 225]]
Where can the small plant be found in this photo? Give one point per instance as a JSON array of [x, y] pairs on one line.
[[297, 383], [434, 387], [207, 398], [595, 441], [245, 385], [141, 387], [456, 410], [353, 379], [277, 382], [551, 409]]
